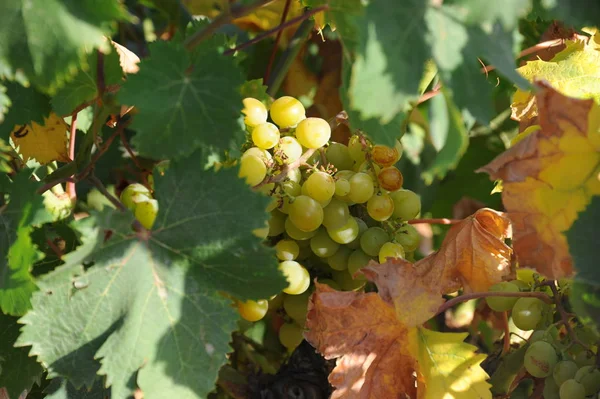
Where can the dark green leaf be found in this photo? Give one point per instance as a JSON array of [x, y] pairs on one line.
[[585, 299], [341, 16], [575, 12], [583, 243], [60, 388], [27, 105], [182, 106], [255, 89], [508, 11]]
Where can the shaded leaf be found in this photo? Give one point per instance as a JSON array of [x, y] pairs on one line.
[[508, 12], [28, 105], [45, 143], [60, 388]]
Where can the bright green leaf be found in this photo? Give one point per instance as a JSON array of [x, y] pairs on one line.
[[151, 306], [182, 106], [28, 105]]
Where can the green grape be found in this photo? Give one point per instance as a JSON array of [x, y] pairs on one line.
[[369, 168], [380, 207], [297, 276], [356, 150], [319, 186], [287, 250], [589, 377], [330, 283], [306, 213], [294, 175], [390, 178], [361, 188], [373, 239], [345, 280], [345, 174], [564, 370], [550, 389], [253, 310], [345, 234], [290, 335], [408, 237], [265, 135], [540, 359], [296, 306], [339, 156], [145, 213], [583, 359], [362, 227], [336, 214], [342, 187], [339, 260], [253, 169], [291, 188], [255, 111], [527, 313], [384, 156], [130, 191], [523, 286], [407, 204], [276, 223], [313, 132], [357, 260], [391, 250], [286, 111], [259, 152], [290, 149], [502, 303], [322, 245], [297, 234], [571, 389]]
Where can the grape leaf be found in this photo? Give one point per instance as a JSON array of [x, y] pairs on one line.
[[575, 12], [84, 86], [255, 89], [4, 102], [18, 371], [339, 16], [548, 178], [47, 38], [508, 12], [24, 210], [60, 388], [45, 143], [182, 106], [28, 105], [150, 307]]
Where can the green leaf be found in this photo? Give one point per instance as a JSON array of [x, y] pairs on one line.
[[583, 243], [60, 388], [508, 12], [4, 102], [84, 86], [255, 89], [340, 16], [575, 12], [150, 307], [182, 106], [25, 209], [18, 371], [47, 38], [28, 105], [585, 299]]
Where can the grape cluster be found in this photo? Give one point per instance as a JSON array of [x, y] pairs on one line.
[[335, 207], [138, 199], [568, 369]]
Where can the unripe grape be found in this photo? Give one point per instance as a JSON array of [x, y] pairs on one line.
[[356, 150], [527, 313], [391, 250], [297, 234], [589, 377], [362, 227], [550, 389], [255, 111], [500, 303], [286, 111], [276, 223], [339, 156], [339, 260], [130, 191], [571, 389], [294, 175], [540, 359], [407, 204], [345, 280], [313, 132], [291, 188], [408, 237], [287, 250], [369, 168], [345, 174], [265, 135], [373, 239], [330, 283], [145, 213], [336, 214], [290, 148], [345, 234], [342, 187], [290, 335], [259, 152], [356, 261], [322, 245], [253, 310], [253, 169], [319, 186], [380, 207], [564, 370], [390, 178], [296, 306], [297, 276], [384, 156], [361, 188], [306, 213]]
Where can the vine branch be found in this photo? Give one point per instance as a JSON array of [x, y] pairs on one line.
[[284, 14], [287, 169], [564, 316], [435, 221], [71, 192], [98, 184]]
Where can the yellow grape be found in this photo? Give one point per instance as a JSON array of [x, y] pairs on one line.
[[262, 232], [408, 237], [380, 207], [297, 234], [297, 276], [342, 187], [339, 156], [265, 135], [290, 335], [287, 250], [391, 250], [290, 148], [306, 213], [319, 186], [286, 111], [313, 132], [339, 260], [407, 204], [276, 223], [336, 214], [384, 156], [130, 191], [259, 152], [345, 234], [390, 178], [145, 213], [255, 111], [322, 245], [253, 169], [356, 150], [253, 310], [361, 188]]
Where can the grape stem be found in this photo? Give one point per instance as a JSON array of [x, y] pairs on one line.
[[71, 192], [435, 221], [564, 316], [505, 327], [475, 295], [287, 169], [284, 14], [96, 182]]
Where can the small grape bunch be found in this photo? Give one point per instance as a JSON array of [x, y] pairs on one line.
[[138, 199]]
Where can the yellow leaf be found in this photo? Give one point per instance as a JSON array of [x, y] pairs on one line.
[[450, 368], [269, 16], [548, 178], [45, 143]]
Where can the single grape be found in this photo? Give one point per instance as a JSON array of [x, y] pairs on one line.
[[345, 280], [373, 239], [336, 214], [408, 237], [357, 260], [344, 174], [295, 233], [540, 359], [583, 359], [322, 245], [342, 187], [255, 111], [362, 227], [286, 111], [345, 234], [253, 310], [296, 306], [380, 207], [319, 186], [259, 152], [330, 283], [502, 303], [407, 204], [589, 377], [290, 335], [265, 135], [390, 178], [571, 389], [306, 213], [294, 175], [356, 150], [145, 213], [253, 169], [384, 156], [339, 156], [313, 132], [339, 260], [276, 223], [527, 313], [391, 250], [290, 149], [297, 276], [361, 188], [526, 275], [291, 188], [130, 191], [564, 370], [287, 250], [523, 286], [550, 389]]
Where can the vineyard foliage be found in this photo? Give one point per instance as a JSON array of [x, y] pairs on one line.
[[159, 238]]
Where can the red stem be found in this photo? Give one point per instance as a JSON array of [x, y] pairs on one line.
[[435, 221], [54, 248], [286, 8], [71, 192]]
